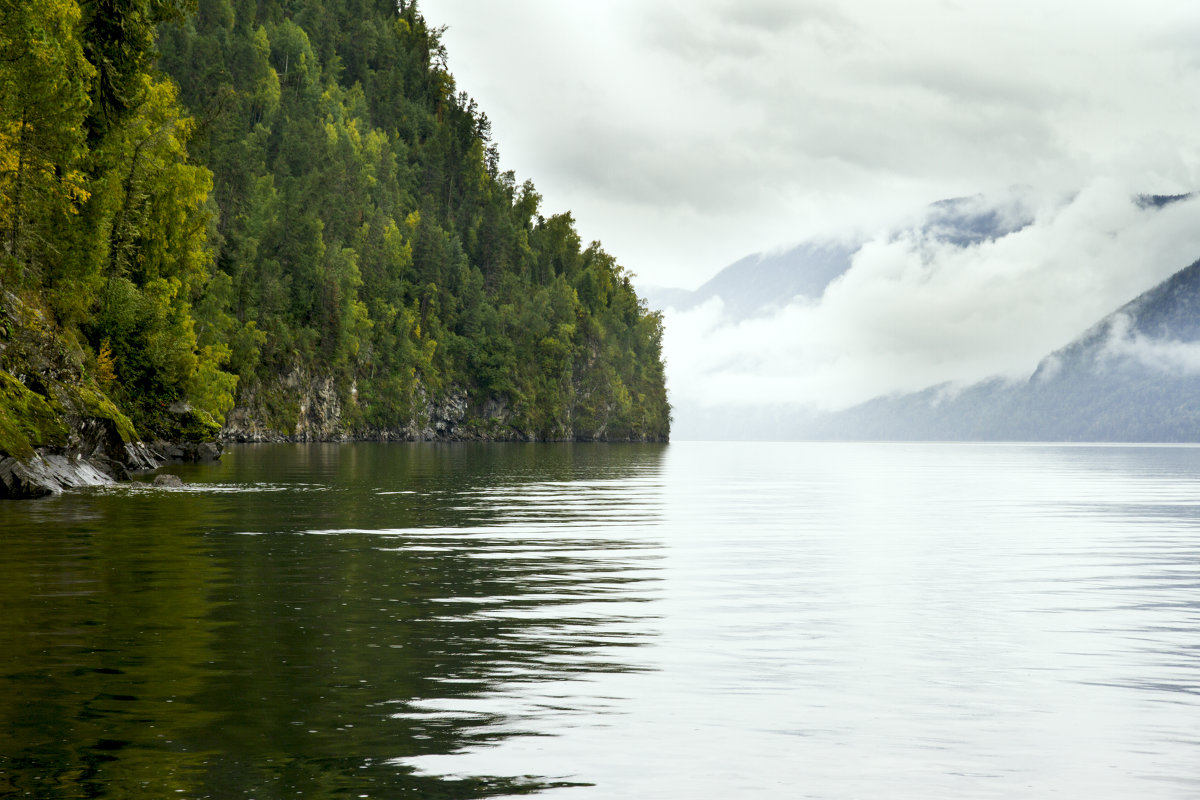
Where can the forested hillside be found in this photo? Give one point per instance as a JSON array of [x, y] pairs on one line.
[[284, 216]]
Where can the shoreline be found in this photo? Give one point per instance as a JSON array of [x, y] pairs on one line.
[[52, 471]]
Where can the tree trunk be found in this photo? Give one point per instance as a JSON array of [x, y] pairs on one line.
[[15, 232]]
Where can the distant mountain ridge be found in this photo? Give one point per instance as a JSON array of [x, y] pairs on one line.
[[1133, 376], [760, 282]]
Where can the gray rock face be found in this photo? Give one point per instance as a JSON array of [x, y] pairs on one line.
[[46, 474], [299, 407], [320, 410], [183, 451], [320, 415], [317, 412], [101, 445]]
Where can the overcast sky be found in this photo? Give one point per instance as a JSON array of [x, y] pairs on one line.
[[685, 135]]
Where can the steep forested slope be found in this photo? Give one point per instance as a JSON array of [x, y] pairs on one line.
[[281, 216], [368, 240], [104, 226]]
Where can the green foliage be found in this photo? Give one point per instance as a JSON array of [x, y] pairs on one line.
[[118, 38], [105, 219], [44, 80], [300, 191], [367, 230], [27, 419]]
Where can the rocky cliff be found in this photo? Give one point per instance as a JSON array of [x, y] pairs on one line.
[[58, 427], [301, 407]]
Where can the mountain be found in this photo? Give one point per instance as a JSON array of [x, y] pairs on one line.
[[398, 282], [1133, 376], [762, 282]]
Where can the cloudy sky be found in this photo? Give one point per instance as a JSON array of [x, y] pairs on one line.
[[685, 135]]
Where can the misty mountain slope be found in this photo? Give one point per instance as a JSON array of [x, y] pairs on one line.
[[1134, 376], [964, 221], [762, 282]]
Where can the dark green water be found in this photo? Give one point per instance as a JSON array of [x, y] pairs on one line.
[[282, 625]]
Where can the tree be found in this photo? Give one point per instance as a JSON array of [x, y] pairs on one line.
[[44, 81], [118, 40]]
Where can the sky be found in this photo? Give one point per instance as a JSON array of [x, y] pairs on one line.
[[685, 135]]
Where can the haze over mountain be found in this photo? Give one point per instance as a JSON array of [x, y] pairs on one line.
[[971, 290], [762, 281], [1134, 376]]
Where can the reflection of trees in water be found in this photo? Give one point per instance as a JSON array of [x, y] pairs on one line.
[[272, 665], [104, 638]]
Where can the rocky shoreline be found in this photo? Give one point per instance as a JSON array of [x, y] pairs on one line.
[[59, 431], [53, 470], [62, 424], [320, 413]]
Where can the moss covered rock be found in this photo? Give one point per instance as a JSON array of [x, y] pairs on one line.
[[28, 420]]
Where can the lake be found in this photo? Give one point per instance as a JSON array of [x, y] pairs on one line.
[[691, 620]]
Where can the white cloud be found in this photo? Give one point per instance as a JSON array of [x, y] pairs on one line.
[[914, 311], [1164, 355], [688, 134]]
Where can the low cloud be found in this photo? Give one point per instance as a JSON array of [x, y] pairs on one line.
[[1168, 356], [915, 310]]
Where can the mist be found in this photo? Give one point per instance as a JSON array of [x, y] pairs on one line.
[[916, 309], [1164, 355]]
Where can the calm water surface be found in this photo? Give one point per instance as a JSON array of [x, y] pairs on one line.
[[590, 621]]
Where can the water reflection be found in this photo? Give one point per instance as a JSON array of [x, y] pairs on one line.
[[952, 621], [100, 634], [316, 620], [704, 620]]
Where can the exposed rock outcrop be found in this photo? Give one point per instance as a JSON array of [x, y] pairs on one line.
[[298, 407], [41, 475], [58, 428], [301, 407], [69, 438]]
